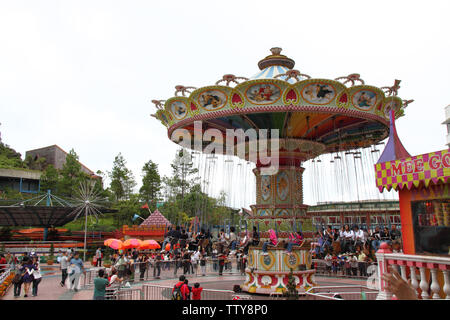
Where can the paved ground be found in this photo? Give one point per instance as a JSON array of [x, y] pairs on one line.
[[50, 289]]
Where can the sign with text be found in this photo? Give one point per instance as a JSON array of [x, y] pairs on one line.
[[412, 171]]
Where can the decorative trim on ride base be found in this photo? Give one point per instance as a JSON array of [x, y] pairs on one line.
[[310, 95], [275, 260], [430, 167], [265, 282]]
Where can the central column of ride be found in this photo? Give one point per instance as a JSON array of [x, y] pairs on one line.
[[279, 206]]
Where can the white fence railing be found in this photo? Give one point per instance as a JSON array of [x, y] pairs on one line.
[[429, 275], [353, 292], [5, 274]]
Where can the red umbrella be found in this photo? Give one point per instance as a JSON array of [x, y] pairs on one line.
[[132, 243], [108, 241], [150, 244], [116, 244]]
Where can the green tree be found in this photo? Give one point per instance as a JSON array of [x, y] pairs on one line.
[[71, 175], [35, 163], [9, 158], [151, 184], [122, 179], [50, 179], [183, 175], [126, 210]]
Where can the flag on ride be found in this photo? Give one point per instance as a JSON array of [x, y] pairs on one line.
[[136, 216], [145, 206]]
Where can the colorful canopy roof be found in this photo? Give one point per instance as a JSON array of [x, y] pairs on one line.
[[156, 218], [312, 115]]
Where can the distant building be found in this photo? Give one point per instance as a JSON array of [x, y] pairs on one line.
[[28, 181], [55, 156], [447, 122], [365, 213]]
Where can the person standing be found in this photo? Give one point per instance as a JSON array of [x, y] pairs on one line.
[[203, 262], [180, 289], [121, 265], [64, 263], [143, 261], [222, 258], [37, 277], [78, 268], [27, 278], [100, 284], [18, 279], [99, 256], [157, 266]]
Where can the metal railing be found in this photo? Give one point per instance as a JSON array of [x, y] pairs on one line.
[[340, 269], [128, 294], [4, 273], [155, 292], [341, 293]]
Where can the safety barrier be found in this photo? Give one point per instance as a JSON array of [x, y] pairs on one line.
[[155, 292], [357, 292], [423, 271], [362, 270]]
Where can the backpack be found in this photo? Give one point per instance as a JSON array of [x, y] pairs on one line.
[[176, 294]]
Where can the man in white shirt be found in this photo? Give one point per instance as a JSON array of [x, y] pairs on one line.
[[64, 263], [359, 236], [348, 238]]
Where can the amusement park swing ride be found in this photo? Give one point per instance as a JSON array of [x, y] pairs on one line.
[[341, 121]]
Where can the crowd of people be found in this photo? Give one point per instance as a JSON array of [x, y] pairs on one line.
[[351, 250], [348, 249]]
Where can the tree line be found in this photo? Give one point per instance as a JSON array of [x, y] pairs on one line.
[[179, 196]]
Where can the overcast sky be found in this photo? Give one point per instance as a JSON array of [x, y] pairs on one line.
[[82, 74]]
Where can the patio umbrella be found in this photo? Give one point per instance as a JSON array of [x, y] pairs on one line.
[[116, 244], [132, 243], [150, 244], [108, 241]]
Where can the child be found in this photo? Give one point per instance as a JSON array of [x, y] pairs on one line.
[[273, 242], [197, 291]]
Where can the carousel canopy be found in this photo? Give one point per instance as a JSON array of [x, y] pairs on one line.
[[313, 115]]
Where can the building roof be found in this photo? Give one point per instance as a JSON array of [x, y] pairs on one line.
[[156, 218]]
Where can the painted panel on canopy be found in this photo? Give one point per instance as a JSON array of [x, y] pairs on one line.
[[273, 120], [297, 122]]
